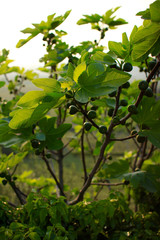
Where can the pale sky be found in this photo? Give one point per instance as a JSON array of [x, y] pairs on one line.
[[16, 15]]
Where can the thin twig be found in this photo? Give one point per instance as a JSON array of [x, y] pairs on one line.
[[123, 139], [109, 184], [83, 153], [52, 174]]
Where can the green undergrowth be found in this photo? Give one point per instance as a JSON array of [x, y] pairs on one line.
[[46, 217]]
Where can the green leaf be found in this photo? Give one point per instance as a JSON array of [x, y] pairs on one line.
[[125, 42], [47, 124], [26, 117], [142, 49], [24, 41], [148, 111], [52, 143], [31, 98], [78, 71], [116, 169], [154, 11], [145, 40], [94, 18], [103, 84], [2, 84], [82, 96], [103, 58], [12, 160], [47, 84], [21, 118], [132, 35], [145, 32], [60, 131], [34, 236], [143, 179], [95, 69], [70, 70], [117, 48], [144, 14], [153, 133]]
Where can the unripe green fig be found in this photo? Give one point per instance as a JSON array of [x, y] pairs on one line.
[[87, 126], [143, 85], [48, 155], [14, 178], [132, 109], [2, 175], [123, 102], [4, 182], [110, 112], [151, 65], [126, 85], [133, 132], [35, 143], [94, 107], [102, 129], [69, 94], [92, 114], [37, 152], [112, 94], [127, 67], [116, 120], [149, 92], [73, 109], [140, 139], [109, 157]]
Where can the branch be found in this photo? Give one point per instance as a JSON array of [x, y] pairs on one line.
[[96, 166], [117, 101], [72, 139], [123, 139], [108, 184], [52, 174], [133, 138], [83, 154], [86, 116], [20, 195], [150, 152], [141, 160]]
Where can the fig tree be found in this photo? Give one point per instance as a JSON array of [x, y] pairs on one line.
[[143, 85], [87, 126], [102, 129], [127, 67]]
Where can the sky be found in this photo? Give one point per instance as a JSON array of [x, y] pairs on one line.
[[16, 15]]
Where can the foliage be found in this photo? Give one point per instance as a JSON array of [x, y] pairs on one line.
[[83, 106]]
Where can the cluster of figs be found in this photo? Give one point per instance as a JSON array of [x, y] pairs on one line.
[[91, 114]]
